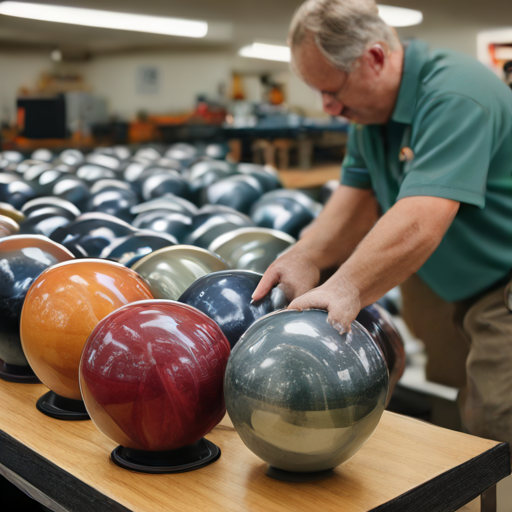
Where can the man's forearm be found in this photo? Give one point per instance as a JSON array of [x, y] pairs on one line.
[[398, 246], [347, 218]]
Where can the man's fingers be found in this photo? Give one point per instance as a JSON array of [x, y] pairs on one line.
[[309, 300], [268, 281]]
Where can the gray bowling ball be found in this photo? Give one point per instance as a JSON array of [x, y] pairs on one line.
[[301, 396]]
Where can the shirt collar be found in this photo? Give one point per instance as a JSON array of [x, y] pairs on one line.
[[415, 56]]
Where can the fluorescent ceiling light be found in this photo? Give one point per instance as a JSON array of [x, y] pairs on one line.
[[105, 19], [266, 52], [399, 16]]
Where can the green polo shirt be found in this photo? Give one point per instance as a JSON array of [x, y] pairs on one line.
[[456, 116]]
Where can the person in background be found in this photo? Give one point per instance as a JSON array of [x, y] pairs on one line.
[[425, 200]]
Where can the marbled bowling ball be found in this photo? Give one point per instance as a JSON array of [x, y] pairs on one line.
[[379, 324], [151, 375], [22, 260], [301, 396], [226, 297], [62, 308]]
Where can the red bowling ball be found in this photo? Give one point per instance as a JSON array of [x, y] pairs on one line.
[[151, 377]]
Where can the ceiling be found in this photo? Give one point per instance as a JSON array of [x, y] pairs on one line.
[[235, 23]]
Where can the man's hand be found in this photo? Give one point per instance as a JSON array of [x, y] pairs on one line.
[[293, 272]]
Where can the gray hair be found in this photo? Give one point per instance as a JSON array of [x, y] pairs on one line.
[[342, 29]]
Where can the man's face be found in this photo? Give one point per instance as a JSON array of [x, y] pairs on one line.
[[358, 95]]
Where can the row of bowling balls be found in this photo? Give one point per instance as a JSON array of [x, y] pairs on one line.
[[154, 372], [115, 182]]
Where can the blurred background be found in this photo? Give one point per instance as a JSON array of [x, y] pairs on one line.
[[68, 85]]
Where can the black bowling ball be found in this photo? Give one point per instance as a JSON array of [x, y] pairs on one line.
[[133, 170], [203, 174], [43, 202], [108, 184], [45, 221], [44, 184], [72, 189], [129, 249], [91, 173], [167, 202], [14, 191], [43, 155], [160, 184], [90, 233], [71, 157], [116, 202], [171, 222], [238, 192], [226, 297], [103, 160], [184, 153], [267, 179], [217, 151], [285, 210]]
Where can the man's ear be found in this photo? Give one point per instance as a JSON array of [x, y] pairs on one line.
[[376, 57]]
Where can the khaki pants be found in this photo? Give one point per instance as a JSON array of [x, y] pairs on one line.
[[469, 346]]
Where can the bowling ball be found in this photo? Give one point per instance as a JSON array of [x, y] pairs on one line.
[[45, 183], [116, 202], [14, 191], [45, 221], [136, 245], [148, 153], [43, 155], [203, 174], [285, 210], [183, 153], [43, 202], [109, 184], [160, 184], [303, 397], [378, 322], [217, 151], [31, 173], [171, 222], [211, 221], [72, 189], [72, 157], [159, 387], [166, 202], [8, 226], [170, 271], [226, 297], [103, 160], [61, 309], [238, 192], [328, 189], [22, 260], [268, 180], [251, 248], [8, 210], [90, 173], [90, 233]]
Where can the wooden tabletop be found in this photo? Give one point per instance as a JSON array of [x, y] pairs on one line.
[[406, 465]]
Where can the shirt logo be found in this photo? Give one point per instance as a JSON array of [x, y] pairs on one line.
[[406, 155]]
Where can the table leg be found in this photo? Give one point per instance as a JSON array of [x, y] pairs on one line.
[[488, 500]]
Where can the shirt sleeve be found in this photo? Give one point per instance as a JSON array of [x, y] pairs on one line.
[[354, 171], [451, 141]]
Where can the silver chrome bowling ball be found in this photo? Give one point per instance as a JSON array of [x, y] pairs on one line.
[[301, 396]]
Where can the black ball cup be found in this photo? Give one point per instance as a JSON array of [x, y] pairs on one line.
[[18, 374], [61, 408]]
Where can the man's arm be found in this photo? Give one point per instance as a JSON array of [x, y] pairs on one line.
[[346, 219], [398, 245]]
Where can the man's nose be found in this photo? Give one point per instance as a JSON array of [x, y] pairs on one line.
[[331, 105]]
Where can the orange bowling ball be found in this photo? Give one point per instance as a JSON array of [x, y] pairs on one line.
[[63, 306]]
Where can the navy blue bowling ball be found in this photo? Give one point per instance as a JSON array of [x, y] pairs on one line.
[[14, 191], [226, 297], [217, 151], [103, 160], [267, 179], [44, 221], [109, 184], [167, 182], [32, 172], [43, 155], [129, 249], [285, 210], [45, 182], [116, 202], [238, 192], [73, 190], [171, 222], [90, 233], [183, 152], [167, 202], [71, 157]]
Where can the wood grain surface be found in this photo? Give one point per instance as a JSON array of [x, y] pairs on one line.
[[402, 457]]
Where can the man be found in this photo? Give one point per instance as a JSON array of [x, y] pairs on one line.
[[425, 200]]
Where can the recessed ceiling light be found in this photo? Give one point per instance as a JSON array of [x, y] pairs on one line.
[[266, 52], [105, 19], [399, 16]]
